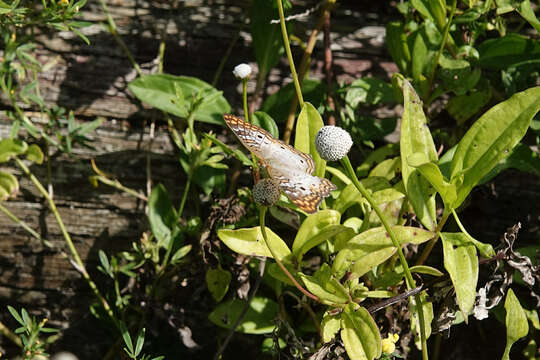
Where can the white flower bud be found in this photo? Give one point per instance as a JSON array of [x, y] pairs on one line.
[[266, 192], [242, 71], [333, 143]]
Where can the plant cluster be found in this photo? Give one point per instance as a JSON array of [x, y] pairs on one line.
[[468, 81]]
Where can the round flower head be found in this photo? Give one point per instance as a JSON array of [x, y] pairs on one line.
[[242, 71], [266, 192], [333, 143]]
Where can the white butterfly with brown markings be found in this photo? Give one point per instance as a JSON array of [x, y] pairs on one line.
[[290, 168]]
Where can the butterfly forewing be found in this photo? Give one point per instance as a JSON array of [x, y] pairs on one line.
[[292, 169], [268, 149]]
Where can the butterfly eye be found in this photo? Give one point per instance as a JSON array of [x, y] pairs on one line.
[[260, 136]]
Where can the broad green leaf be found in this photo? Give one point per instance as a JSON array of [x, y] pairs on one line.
[[376, 157], [217, 281], [330, 325], [312, 226], [521, 158], [431, 172], [259, 318], [8, 185], [387, 168], [416, 138], [387, 195], [277, 273], [308, 124], [463, 107], [350, 194], [396, 40], [491, 138], [457, 75], [500, 53], [161, 214], [10, 148], [267, 38], [368, 90], [34, 154], [516, 322], [427, 310], [528, 14], [360, 334], [249, 241], [373, 247], [461, 262], [325, 286], [277, 105], [160, 91], [265, 121]]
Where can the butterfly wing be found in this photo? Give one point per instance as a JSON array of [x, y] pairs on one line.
[[303, 189], [271, 151]]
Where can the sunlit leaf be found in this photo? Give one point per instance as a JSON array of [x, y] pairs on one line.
[[259, 318]]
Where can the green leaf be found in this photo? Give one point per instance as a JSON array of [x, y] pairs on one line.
[[34, 154], [500, 53], [521, 158], [463, 107], [416, 138], [259, 318], [360, 334], [10, 148], [265, 121], [330, 325], [373, 247], [424, 269], [350, 194], [325, 286], [218, 281], [267, 38], [396, 40], [516, 322], [140, 341], [387, 168], [308, 124], [528, 14], [277, 105], [159, 90], [427, 310], [431, 172], [161, 215], [249, 241], [8, 185], [126, 337], [457, 75], [238, 154], [311, 227], [461, 262], [491, 138], [370, 91], [180, 253]]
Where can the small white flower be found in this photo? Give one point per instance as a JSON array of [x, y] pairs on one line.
[[266, 192], [333, 143], [242, 71]]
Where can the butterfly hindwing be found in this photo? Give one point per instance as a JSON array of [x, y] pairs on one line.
[[291, 168]]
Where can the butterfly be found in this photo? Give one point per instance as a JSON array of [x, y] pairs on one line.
[[290, 168]]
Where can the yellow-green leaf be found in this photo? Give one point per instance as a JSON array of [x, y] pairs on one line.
[[308, 124], [259, 318], [360, 334], [249, 241], [516, 322], [217, 281], [8, 185]]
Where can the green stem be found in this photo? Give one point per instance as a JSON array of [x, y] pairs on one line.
[[289, 54], [77, 259], [244, 96], [25, 226], [408, 276], [114, 31], [429, 247], [262, 214], [184, 197], [441, 47]]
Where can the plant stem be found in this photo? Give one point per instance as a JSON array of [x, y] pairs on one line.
[[441, 47], [262, 214], [184, 197], [114, 31], [101, 177], [76, 258], [244, 97], [429, 247], [25, 226], [408, 276], [4, 330], [289, 54]]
